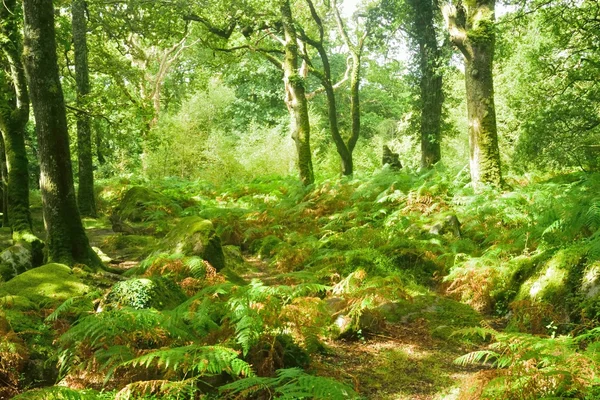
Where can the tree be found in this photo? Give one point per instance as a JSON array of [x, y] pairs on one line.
[[343, 148], [85, 193], [430, 79], [472, 31], [296, 95], [66, 238], [256, 33], [356, 51], [14, 115]]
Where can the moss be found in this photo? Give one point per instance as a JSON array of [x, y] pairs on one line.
[[195, 236], [483, 31], [134, 246], [141, 204], [16, 303], [442, 314], [553, 280], [154, 292], [52, 283]]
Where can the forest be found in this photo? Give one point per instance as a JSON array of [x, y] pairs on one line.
[[300, 199]]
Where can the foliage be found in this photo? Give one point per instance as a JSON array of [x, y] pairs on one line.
[[531, 367], [290, 384]]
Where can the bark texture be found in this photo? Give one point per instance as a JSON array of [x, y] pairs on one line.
[[430, 81], [472, 30], [296, 96], [66, 238], [14, 115], [85, 193]]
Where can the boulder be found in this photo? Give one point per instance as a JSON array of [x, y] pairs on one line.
[[390, 158], [195, 236], [50, 283], [152, 292], [14, 261], [140, 202]]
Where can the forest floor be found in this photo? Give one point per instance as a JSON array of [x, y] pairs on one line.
[[401, 361]]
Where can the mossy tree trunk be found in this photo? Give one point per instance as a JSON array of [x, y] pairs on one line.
[[324, 76], [472, 30], [356, 50], [431, 99], [4, 184], [296, 95], [66, 238], [85, 193], [14, 115]]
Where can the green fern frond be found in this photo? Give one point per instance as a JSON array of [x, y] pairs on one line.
[[77, 303], [292, 384], [202, 360], [475, 357], [163, 388], [58, 393]]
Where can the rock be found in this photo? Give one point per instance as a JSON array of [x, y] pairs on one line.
[[103, 257], [451, 225], [390, 158], [153, 292], [139, 202], [195, 236], [14, 261], [51, 283]]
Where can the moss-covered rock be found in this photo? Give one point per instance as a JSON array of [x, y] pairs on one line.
[[140, 204], [14, 261], [554, 279], [195, 236], [50, 283], [153, 292], [133, 247]]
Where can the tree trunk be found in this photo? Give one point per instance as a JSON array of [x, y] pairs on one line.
[[340, 145], [67, 242], [483, 136], [13, 119], [85, 193], [4, 175], [472, 31], [430, 81], [296, 96]]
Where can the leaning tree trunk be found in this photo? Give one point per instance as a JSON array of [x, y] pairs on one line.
[[430, 83], [296, 96], [67, 242], [85, 193], [13, 120], [472, 31]]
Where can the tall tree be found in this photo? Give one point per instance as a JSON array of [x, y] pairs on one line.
[[356, 51], [296, 95], [344, 148], [85, 193], [66, 238], [14, 115], [472, 30], [430, 79]]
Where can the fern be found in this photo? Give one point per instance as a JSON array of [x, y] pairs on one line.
[[201, 360], [76, 303], [59, 393], [292, 384]]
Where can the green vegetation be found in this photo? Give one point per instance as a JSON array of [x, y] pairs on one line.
[[299, 199]]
